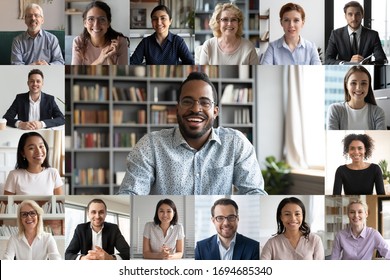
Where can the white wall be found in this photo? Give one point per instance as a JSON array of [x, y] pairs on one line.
[[334, 151], [53, 15], [14, 80], [314, 27], [269, 112]]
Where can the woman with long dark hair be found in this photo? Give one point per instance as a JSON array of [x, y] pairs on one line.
[[33, 174], [359, 110], [99, 43], [293, 239], [164, 237]]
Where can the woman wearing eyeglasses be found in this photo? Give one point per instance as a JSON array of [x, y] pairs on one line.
[[228, 47], [162, 47], [291, 48], [164, 237], [293, 240], [32, 174], [31, 242], [99, 43]]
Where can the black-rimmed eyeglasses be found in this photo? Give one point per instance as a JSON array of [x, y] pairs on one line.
[[32, 214], [188, 102], [230, 218]]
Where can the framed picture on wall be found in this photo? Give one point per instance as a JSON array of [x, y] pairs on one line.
[[138, 18]]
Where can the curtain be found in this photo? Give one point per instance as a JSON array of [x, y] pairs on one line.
[[304, 139], [58, 151]]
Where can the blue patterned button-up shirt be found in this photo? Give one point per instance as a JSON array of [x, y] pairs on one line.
[[163, 163]]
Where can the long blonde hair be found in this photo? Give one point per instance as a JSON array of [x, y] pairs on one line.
[[39, 211]]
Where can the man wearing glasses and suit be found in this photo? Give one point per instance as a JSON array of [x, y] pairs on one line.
[[227, 244]]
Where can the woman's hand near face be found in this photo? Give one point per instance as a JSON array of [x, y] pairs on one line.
[[107, 53]]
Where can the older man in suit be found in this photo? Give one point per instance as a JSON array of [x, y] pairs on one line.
[[227, 244], [354, 42], [97, 239], [34, 109]]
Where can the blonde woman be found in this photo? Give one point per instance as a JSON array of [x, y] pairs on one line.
[[228, 47], [31, 242], [357, 241]]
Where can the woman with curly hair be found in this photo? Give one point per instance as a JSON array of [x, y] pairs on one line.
[[228, 47], [358, 177], [99, 44], [293, 240]]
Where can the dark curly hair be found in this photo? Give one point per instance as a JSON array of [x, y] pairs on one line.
[[110, 34], [171, 204], [370, 98], [304, 228], [364, 138], [199, 76]]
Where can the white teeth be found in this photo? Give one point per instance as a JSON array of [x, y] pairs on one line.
[[194, 120]]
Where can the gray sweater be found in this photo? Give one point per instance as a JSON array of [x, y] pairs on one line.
[[338, 117]]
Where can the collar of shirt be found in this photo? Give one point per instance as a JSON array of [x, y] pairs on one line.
[[358, 32], [29, 36], [226, 253], [178, 138], [34, 102], [168, 39], [282, 43], [23, 237], [363, 234], [90, 225]]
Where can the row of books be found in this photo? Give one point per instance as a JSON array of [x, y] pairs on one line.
[[90, 70], [91, 176], [242, 116], [139, 119], [236, 95], [125, 139], [47, 209], [90, 93], [161, 114], [91, 116], [134, 94], [91, 139], [181, 71]]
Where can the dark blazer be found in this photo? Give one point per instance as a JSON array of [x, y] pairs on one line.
[[111, 238], [339, 46], [244, 249], [49, 111]]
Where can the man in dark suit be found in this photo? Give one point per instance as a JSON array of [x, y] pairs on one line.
[[97, 239], [34, 109], [227, 244], [354, 42]]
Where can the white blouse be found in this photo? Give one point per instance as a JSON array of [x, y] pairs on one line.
[[157, 239], [43, 247]]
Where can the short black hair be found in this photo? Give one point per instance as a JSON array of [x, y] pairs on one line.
[[199, 76], [364, 138], [171, 204], [161, 8], [35, 71], [224, 201]]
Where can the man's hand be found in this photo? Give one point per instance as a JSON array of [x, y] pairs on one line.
[[357, 58], [40, 62], [97, 254], [30, 125]]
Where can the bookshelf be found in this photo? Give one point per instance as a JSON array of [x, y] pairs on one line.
[[204, 10], [336, 218], [95, 167], [70, 11], [53, 217], [264, 31]]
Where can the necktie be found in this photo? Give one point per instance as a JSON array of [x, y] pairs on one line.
[[354, 44]]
